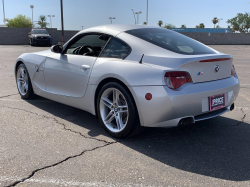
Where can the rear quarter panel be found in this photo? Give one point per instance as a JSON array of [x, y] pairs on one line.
[[131, 73]]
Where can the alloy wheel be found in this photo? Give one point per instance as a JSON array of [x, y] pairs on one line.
[[22, 81], [114, 110]]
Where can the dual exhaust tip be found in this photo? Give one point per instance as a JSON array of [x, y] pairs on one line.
[[190, 120], [186, 121], [232, 107]]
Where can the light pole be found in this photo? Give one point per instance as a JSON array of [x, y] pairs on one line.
[[51, 20], [138, 16], [3, 14], [111, 19], [219, 21], [32, 6], [82, 27], [134, 15], [62, 21], [147, 13]]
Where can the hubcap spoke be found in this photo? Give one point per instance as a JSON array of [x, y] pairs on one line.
[[22, 88], [107, 102], [123, 108], [22, 73], [118, 121], [111, 117], [26, 86], [115, 96], [20, 80]]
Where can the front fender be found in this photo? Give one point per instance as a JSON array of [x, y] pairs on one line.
[[31, 60]]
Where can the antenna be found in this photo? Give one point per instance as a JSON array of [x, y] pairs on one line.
[[141, 59]]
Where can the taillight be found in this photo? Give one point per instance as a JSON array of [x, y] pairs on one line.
[[216, 60], [233, 71], [174, 79]]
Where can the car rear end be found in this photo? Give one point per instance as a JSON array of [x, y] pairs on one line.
[[198, 82], [195, 99], [182, 99]]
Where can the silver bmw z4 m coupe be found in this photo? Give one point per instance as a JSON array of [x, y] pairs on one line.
[[132, 76]]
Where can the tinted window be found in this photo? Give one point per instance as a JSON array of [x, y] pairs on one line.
[[171, 41], [39, 32], [96, 41], [91, 40], [116, 49]]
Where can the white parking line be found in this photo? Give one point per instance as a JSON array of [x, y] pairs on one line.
[[244, 108], [66, 182]]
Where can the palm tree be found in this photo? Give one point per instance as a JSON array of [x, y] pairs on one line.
[[160, 23], [202, 26], [183, 26], [169, 26], [42, 21], [215, 21]]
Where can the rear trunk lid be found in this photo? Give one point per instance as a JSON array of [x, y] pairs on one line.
[[201, 68]]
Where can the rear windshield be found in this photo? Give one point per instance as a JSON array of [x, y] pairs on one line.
[[39, 32], [171, 41]]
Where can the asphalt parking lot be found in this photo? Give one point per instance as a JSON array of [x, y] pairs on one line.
[[45, 143]]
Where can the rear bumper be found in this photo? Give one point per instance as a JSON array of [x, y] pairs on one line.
[[168, 107]]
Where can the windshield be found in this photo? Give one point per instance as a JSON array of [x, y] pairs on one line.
[[171, 41], [39, 32]]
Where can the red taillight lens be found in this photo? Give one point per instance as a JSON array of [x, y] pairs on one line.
[[216, 60], [233, 71], [174, 79]]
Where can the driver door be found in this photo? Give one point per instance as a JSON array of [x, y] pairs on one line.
[[68, 73]]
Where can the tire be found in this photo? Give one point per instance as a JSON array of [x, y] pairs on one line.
[[121, 110], [31, 43], [23, 82]]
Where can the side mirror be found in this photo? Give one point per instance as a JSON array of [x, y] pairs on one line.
[[50, 34], [57, 48]]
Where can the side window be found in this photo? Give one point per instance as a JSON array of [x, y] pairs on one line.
[[88, 45], [116, 49]]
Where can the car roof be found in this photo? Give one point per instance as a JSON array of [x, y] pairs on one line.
[[117, 27], [124, 27]]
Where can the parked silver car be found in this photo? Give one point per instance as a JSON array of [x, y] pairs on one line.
[[132, 76], [39, 37]]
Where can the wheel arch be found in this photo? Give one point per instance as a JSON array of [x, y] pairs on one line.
[[18, 62], [112, 79]]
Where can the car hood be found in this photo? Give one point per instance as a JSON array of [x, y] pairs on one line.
[[44, 53]]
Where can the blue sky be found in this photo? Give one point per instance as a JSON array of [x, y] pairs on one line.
[[96, 12]]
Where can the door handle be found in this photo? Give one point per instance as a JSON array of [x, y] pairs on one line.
[[85, 67]]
